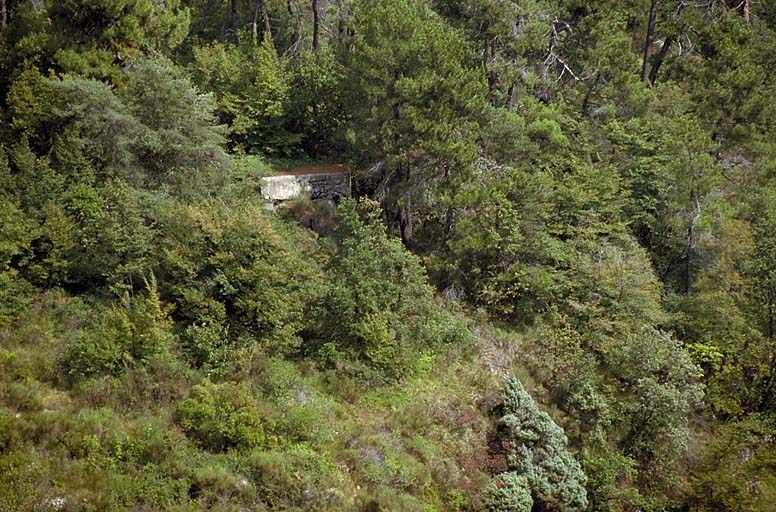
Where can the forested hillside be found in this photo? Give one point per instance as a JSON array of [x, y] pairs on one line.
[[553, 291]]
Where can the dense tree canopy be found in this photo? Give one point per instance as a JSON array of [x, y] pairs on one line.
[[580, 193]]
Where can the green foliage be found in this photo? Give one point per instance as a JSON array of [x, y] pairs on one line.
[[112, 236], [91, 39], [238, 260], [9, 435], [735, 472], [220, 417], [602, 186], [500, 253], [18, 479], [611, 476], [631, 388], [97, 129], [317, 107], [764, 257], [209, 347], [536, 456], [508, 492], [96, 33], [672, 179], [78, 133], [131, 332], [516, 36], [664, 383], [180, 143], [16, 234], [412, 106], [380, 306], [251, 87], [298, 479]]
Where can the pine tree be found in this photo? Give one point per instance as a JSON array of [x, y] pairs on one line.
[[536, 450]]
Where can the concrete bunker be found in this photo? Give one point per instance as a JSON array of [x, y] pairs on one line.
[[319, 182]]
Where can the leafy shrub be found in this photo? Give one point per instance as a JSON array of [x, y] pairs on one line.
[[299, 479], [319, 216], [128, 333], [15, 295], [219, 417], [391, 466], [26, 395], [251, 87], [237, 266], [156, 130], [162, 380], [209, 346], [213, 484], [15, 237], [19, 478], [316, 108], [732, 473], [387, 498], [10, 435], [102, 352], [508, 492], [114, 236], [181, 145], [143, 442], [380, 306]]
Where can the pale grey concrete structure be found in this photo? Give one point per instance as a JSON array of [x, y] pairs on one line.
[[319, 185]]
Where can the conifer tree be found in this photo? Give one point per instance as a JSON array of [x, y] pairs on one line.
[[537, 458]]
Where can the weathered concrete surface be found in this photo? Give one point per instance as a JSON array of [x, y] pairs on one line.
[[317, 185]]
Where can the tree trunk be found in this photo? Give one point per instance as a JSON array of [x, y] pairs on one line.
[[771, 333], [511, 96], [294, 23], [255, 23], [405, 222], [745, 6], [316, 22], [766, 395], [260, 9], [405, 201], [659, 58], [648, 41], [3, 16], [665, 49], [234, 23], [690, 243], [265, 17], [589, 92]]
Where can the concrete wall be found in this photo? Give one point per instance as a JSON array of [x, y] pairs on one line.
[[317, 186]]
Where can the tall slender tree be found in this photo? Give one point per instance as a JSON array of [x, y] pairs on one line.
[[412, 105]]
